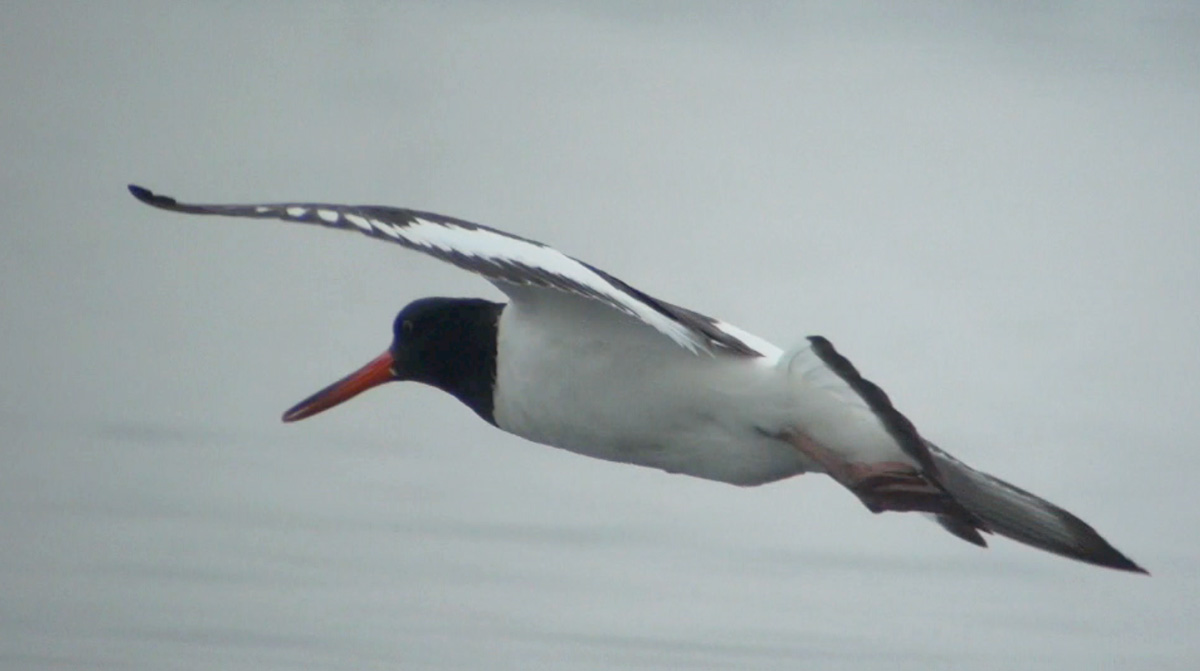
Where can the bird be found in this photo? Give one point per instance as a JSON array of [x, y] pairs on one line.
[[580, 360]]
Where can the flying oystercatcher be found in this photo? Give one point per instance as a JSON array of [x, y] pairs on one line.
[[580, 360]]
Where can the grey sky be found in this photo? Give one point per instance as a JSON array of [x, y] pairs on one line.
[[992, 211]]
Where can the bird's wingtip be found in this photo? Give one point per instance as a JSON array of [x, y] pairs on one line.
[[149, 197], [1123, 563]]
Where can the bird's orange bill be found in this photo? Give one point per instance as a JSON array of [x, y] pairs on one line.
[[375, 373]]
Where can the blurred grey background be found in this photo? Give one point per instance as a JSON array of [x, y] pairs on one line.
[[992, 210]]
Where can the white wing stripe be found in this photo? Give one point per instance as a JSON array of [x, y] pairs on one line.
[[494, 247], [505, 259]]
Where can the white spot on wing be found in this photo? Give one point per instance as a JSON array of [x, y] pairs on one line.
[[262, 208], [328, 215], [361, 222], [385, 228], [296, 211]]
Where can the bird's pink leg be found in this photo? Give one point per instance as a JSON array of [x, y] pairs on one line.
[[884, 485]]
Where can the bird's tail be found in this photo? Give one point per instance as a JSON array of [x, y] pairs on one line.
[[1010, 511]]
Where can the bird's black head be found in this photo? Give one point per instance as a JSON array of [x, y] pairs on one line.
[[448, 343]]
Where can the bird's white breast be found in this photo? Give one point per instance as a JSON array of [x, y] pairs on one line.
[[578, 375]]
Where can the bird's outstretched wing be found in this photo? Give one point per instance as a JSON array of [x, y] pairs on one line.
[[502, 258]]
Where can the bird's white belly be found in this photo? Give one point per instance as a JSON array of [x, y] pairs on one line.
[[624, 393]]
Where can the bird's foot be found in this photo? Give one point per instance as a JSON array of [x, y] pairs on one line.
[[884, 485]]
